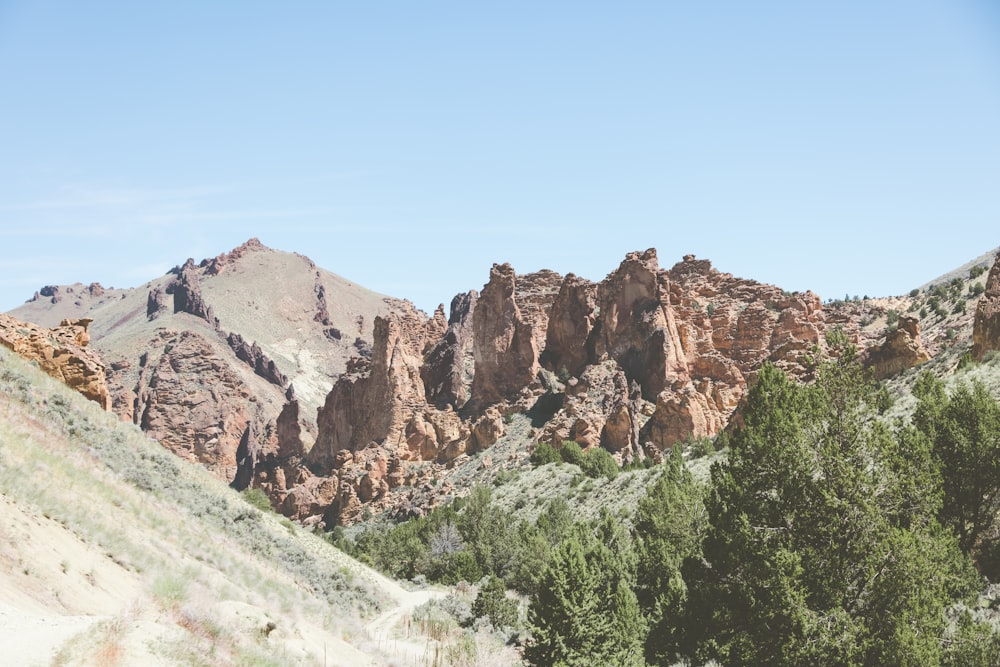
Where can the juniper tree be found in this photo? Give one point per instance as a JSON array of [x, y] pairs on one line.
[[818, 549]]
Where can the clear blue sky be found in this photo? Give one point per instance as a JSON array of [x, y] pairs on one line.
[[843, 147]]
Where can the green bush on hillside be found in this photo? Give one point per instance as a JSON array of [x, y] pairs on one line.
[[598, 462], [571, 452], [544, 453], [257, 498]]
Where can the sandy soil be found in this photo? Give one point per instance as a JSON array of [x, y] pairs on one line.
[[56, 590]]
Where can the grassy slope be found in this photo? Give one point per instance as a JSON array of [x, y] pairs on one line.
[[152, 560]]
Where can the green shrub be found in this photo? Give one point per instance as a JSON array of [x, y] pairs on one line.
[[544, 453], [492, 603], [571, 452], [966, 360], [257, 498], [599, 463]]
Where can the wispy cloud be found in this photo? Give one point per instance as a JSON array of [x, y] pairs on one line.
[[86, 196]]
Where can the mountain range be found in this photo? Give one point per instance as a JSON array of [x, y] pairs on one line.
[[339, 402]]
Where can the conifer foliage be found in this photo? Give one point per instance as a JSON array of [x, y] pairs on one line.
[[818, 549], [585, 612]]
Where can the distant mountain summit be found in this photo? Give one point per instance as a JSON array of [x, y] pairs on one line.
[[202, 358]]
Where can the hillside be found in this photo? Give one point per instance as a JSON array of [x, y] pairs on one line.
[[113, 552]]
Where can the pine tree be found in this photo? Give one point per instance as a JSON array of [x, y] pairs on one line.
[[818, 551], [585, 612], [964, 431], [669, 524], [492, 603]]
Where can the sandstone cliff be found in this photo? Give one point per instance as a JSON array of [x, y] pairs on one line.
[[902, 349], [986, 330], [333, 400], [202, 357], [635, 364], [61, 352]]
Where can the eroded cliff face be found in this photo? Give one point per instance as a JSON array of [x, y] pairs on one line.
[[60, 352], [668, 354], [986, 330], [378, 400], [902, 349], [189, 399], [504, 346], [636, 363]]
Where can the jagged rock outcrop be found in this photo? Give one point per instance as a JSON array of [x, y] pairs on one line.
[[598, 409], [535, 293], [568, 347], [61, 352], [187, 295], [986, 329], [57, 293], [901, 349], [504, 345], [635, 363], [218, 264], [637, 327], [156, 303], [254, 357], [449, 365], [375, 400], [191, 401]]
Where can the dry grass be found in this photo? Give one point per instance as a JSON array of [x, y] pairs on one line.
[[208, 572]]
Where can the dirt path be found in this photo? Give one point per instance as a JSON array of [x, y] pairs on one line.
[[388, 635], [399, 642]]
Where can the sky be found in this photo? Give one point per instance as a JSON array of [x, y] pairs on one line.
[[847, 147]]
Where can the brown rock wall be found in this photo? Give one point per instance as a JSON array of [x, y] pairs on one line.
[[986, 327], [61, 353]]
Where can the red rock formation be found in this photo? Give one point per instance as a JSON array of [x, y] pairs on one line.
[[187, 294], [374, 401], [902, 349], [218, 264], [504, 346], [568, 348], [194, 404], [448, 367], [254, 357], [637, 327], [534, 294], [986, 329], [61, 353]]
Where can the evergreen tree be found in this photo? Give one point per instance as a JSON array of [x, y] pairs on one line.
[[585, 612], [492, 602], [669, 525], [817, 550], [964, 431]]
